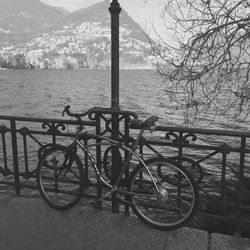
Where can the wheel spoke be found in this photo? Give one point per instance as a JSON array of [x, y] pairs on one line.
[[60, 184], [174, 204]]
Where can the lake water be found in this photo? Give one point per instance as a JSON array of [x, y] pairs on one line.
[[44, 93]]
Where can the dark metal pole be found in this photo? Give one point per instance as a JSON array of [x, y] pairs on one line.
[[115, 10], [15, 156]]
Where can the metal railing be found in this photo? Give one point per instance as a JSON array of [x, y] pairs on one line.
[[222, 155], [23, 140], [223, 159]]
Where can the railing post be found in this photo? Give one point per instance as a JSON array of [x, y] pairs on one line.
[[15, 156], [3, 130], [115, 160], [223, 175], [241, 176], [126, 133], [98, 154]]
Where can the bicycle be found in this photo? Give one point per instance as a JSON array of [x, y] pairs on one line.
[[158, 203]]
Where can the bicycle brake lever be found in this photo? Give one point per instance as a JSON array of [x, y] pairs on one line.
[[66, 109], [152, 128]]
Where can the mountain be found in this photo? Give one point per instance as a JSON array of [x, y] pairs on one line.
[[21, 20], [62, 10], [27, 15], [76, 40], [99, 13]]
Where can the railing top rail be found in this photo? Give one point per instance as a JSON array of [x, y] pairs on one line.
[[34, 119], [221, 132], [232, 133]]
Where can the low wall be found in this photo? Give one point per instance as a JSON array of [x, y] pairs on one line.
[[28, 224]]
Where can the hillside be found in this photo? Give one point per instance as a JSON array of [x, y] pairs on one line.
[[100, 13], [21, 20], [27, 15], [77, 40]]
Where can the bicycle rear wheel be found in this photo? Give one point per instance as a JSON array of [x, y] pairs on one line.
[[190, 165], [175, 204], [60, 178]]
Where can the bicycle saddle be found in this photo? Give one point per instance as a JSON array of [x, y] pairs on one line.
[[137, 123]]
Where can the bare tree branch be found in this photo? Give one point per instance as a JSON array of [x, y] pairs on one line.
[[206, 66]]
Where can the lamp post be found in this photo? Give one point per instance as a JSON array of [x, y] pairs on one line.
[[115, 10]]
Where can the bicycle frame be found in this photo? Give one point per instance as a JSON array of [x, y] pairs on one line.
[[110, 142]]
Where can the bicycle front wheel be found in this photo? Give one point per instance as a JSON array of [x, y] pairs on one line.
[[60, 178], [173, 204]]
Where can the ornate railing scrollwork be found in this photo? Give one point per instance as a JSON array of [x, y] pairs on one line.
[[225, 148], [24, 131], [3, 129], [107, 125], [53, 128], [108, 122], [179, 139], [5, 172], [189, 135], [92, 115], [175, 140]]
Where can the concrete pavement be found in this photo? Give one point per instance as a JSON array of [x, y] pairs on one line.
[[29, 224]]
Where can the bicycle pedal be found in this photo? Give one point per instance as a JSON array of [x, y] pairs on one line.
[[96, 204]]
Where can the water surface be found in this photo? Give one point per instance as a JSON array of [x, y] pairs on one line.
[[44, 93]]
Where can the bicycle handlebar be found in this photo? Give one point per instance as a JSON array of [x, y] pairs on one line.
[[134, 123], [76, 115]]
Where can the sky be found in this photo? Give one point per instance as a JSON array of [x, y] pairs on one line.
[[144, 12]]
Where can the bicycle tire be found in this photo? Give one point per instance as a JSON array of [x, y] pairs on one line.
[[107, 161], [177, 204], [190, 165], [43, 148], [61, 188]]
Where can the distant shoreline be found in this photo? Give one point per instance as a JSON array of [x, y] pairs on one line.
[[78, 69]]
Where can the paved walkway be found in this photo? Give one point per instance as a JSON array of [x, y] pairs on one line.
[[29, 224]]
